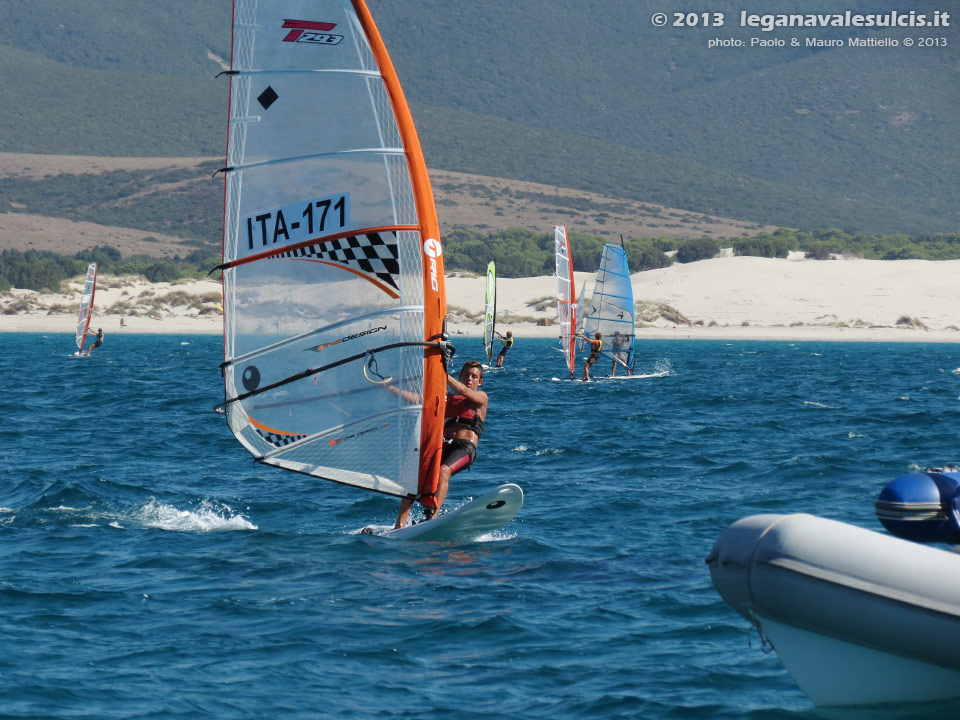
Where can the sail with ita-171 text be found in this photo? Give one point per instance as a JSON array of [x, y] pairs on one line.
[[333, 286]]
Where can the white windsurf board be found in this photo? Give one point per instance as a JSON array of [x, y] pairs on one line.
[[485, 514], [636, 376]]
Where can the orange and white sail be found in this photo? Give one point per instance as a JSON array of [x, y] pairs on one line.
[[334, 299], [86, 306]]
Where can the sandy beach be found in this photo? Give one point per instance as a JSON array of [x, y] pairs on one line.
[[733, 298]]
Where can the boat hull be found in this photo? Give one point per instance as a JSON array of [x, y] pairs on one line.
[[855, 616]]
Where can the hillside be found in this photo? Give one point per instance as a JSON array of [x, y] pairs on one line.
[[545, 91], [470, 201]]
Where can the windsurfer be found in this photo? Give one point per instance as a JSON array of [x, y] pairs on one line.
[[465, 413], [507, 344], [98, 342], [620, 354], [595, 347]]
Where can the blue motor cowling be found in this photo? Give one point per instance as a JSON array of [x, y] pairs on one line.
[[920, 506]]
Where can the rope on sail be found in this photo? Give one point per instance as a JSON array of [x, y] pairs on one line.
[[442, 345]]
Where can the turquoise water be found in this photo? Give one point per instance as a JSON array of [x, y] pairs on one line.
[[150, 569]]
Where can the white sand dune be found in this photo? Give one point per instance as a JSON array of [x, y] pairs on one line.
[[722, 298]]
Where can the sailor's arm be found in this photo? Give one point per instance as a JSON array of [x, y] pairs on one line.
[[407, 395]]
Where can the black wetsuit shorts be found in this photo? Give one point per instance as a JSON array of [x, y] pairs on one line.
[[458, 454]]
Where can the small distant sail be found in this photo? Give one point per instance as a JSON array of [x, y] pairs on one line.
[[86, 306], [580, 314], [566, 298], [611, 311], [333, 286], [490, 311]]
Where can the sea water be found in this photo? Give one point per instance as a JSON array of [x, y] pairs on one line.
[[150, 569]]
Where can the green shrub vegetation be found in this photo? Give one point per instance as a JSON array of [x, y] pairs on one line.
[[697, 249], [45, 271], [518, 252]]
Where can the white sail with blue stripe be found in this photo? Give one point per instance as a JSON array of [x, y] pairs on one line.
[[611, 311]]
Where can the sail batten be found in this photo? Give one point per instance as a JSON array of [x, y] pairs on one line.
[[300, 158], [332, 262], [344, 71]]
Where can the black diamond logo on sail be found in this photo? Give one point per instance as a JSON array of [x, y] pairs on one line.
[[267, 98]]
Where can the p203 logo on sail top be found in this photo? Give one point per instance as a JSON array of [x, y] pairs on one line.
[[306, 31], [433, 249]]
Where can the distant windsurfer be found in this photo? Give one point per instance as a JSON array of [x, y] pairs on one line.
[[507, 344], [619, 345], [464, 416], [98, 343], [596, 345]]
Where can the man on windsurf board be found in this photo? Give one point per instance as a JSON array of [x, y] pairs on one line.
[[595, 347], [620, 354], [507, 344], [98, 343], [464, 416]]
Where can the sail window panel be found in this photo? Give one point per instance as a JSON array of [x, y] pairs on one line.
[[373, 453], [338, 111], [282, 297], [320, 402]]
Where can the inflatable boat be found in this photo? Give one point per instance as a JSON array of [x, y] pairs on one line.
[[922, 506], [857, 617]]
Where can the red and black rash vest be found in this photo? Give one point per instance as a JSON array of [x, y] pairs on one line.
[[461, 412]]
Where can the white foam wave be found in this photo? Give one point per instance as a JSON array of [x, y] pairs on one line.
[[544, 451], [206, 518]]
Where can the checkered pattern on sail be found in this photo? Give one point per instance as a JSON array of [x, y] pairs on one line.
[[277, 439], [373, 253]]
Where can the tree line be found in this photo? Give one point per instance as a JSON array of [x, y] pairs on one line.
[[518, 252], [45, 271], [525, 253]]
